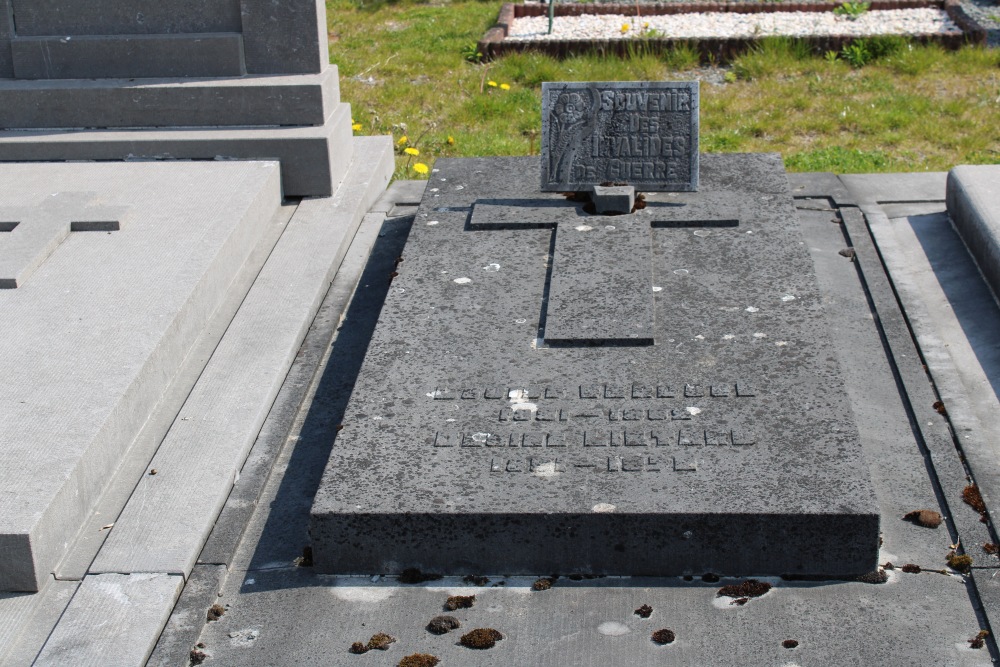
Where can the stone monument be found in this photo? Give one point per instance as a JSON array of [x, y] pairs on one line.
[[553, 390], [142, 79]]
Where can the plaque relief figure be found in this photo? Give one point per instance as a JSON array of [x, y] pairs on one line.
[[572, 123]]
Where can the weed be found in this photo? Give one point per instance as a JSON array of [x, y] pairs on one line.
[[856, 53], [471, 53], [852, 11]]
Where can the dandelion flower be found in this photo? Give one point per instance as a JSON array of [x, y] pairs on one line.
[[420, 168], [356, 126], [402, 140], [504, 86], [451, 140], [491, 84], [624, 28], [411, 151]]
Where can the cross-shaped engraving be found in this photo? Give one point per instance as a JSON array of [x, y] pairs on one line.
[[599, 289], [32, 233]]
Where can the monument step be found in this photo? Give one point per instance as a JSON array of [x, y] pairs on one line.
[[306, 99], [313, 159]]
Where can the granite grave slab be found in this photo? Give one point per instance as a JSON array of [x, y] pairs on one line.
[[643, 134], [498, 425]]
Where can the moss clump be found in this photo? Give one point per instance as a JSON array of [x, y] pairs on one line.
[[910, 568], [543, 584], [961, 563], [459, 602], [412, 575], [440, 625], [751, 588], [481, 638], [664, 636], [645, 611], [875, 577], [789, 643], [419, 660], [476, 580], [979, 640], [215, 612], [357, 648], [991, 548], [925, 518], [380, 641], [974, 499]]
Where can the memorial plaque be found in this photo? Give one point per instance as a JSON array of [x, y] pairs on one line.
[[643, 134], [501, 423]]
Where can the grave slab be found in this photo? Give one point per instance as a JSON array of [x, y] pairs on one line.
[[91, 338], [973, 196], [470, 445]]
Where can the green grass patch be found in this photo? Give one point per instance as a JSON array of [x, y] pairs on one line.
[[404, 69]]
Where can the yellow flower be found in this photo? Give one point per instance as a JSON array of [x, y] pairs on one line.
[[402, 140], [356, 127], [645, 24], [491, 84], [420, 168], [451, 140], [411, 151], [624, 28], [504, 86]]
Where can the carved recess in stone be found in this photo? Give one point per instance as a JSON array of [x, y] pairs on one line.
[[642, 133]]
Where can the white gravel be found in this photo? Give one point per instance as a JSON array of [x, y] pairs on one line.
[[924, 21]]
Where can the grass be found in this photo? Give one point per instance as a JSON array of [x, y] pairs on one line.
[[403, 68]]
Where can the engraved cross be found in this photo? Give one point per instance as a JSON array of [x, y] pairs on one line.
[[599, 285], [29, 234]]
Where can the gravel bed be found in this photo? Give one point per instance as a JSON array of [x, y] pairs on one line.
[[925, 21]]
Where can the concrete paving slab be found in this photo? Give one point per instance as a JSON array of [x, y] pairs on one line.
[[915, 187], [313, 159], [593, 624], [202, 590], [306, 99], [65, 361], [28, 618], [955, 318], [128, 56], [169, 516], [974, 206], [298, 385], [125, 611]]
